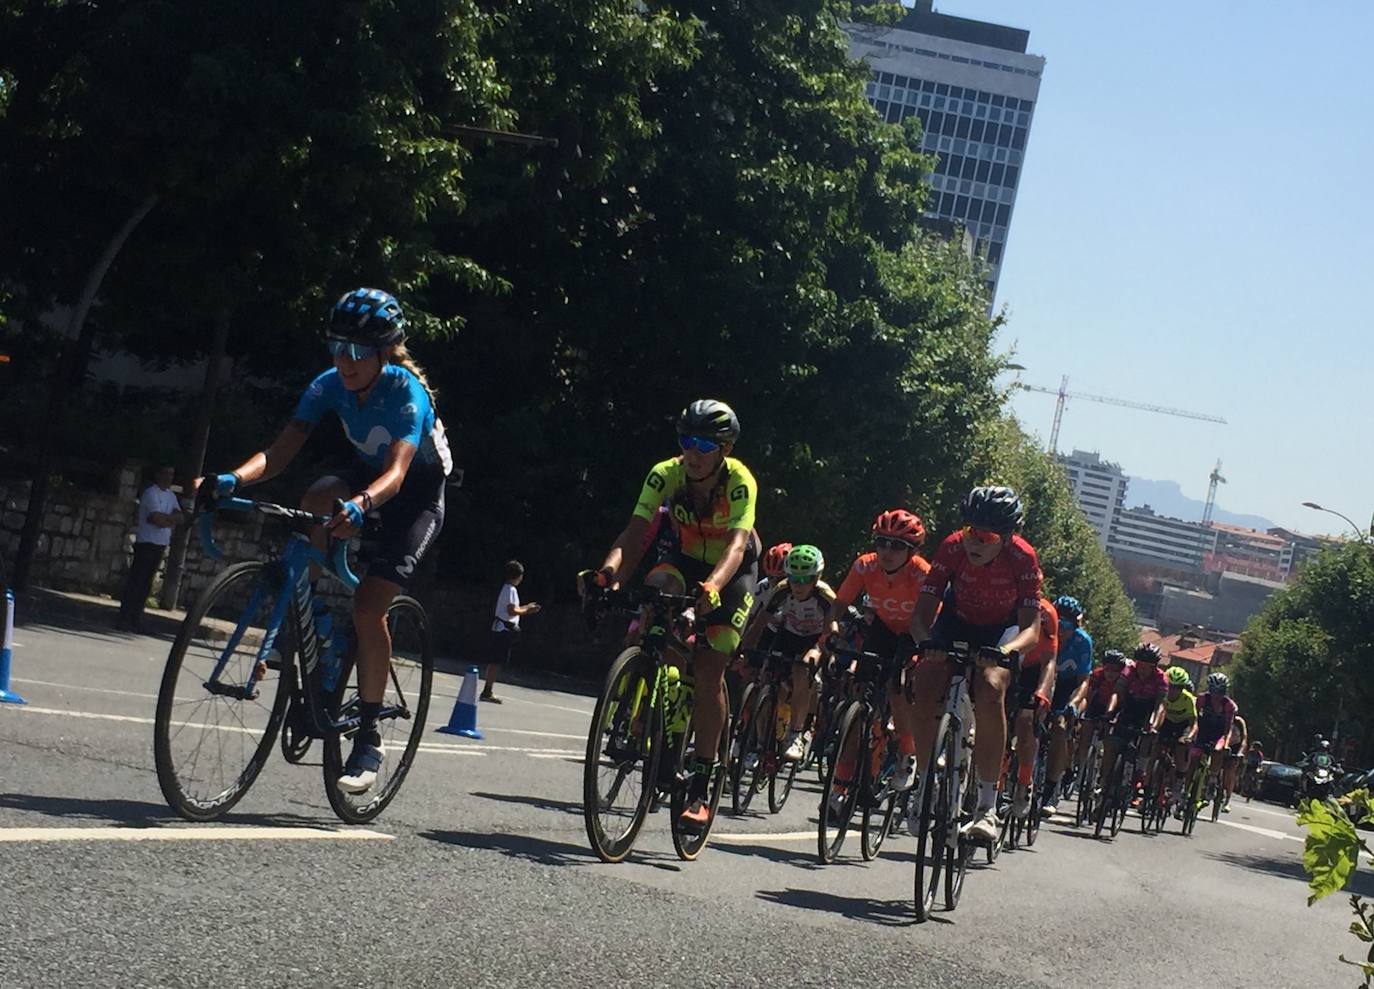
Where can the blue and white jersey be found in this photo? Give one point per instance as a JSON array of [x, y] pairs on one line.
[[397, 408], [1075, 658]]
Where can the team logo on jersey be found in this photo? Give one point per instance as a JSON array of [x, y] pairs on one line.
[[377, 440], [654, 481], [739, 493]]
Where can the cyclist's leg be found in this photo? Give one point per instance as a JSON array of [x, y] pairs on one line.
[[320, 498], [990, 731], [903, 712]]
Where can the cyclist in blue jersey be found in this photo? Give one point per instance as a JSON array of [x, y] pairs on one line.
[[1073, 664], [387, 410]]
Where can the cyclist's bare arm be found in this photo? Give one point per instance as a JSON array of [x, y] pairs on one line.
[[1025, 640], [627, 550], [924, 616], [728, 564], [1079, 700]]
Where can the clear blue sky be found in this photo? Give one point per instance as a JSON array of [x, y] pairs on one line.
[[1195, 228]]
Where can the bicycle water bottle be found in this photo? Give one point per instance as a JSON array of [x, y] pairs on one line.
[[784, 719], [329, 655], [675, 702]]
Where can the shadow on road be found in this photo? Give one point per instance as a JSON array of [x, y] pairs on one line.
[[136, 812], [543, 803], [887, 913], [519, 846], [1361, 883]]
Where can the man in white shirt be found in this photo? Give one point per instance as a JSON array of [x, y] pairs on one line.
[[506, 625], [159, 512]]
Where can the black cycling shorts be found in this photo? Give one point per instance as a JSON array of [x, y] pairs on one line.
[[406, 526], [1064, 688], [736, 597], [1172, 731], [792, 645], [882, 641], [949, 628], [1027, 681]]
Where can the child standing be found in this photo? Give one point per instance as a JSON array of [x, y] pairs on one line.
[[506, 625]]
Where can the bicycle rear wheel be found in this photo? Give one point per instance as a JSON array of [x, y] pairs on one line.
[[408, 685], [210, 740], [624, 748], [748, 774], [882, 799], [959, 849], [932, 835], [1086, 811], [841, 784], [688, 839]]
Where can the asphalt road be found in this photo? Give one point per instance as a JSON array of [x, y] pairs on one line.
[[479, 874]]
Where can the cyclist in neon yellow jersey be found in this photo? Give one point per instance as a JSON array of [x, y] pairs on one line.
[[711, 499]]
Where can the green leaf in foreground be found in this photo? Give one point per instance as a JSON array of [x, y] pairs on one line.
[[1331, 850]]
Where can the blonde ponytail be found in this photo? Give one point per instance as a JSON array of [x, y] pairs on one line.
[[401, 356]]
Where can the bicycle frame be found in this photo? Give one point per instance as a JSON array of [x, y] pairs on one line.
[[292, 591]]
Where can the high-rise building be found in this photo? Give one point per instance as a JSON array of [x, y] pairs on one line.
[[974, 88], [1099, 487], [1140, 534]]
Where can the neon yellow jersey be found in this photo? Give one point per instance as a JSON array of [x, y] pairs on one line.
[[732, 506], [1181, 710]]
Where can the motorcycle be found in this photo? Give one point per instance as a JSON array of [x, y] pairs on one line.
[[1318, 778]]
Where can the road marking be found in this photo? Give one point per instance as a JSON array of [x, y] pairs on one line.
[[573, 756], [1266, 832], [543, 734], [1251, 809], [75, 686], [753, 837], [97, 716], [227, 833]]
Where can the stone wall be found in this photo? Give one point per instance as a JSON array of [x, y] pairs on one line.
[[87, 536]]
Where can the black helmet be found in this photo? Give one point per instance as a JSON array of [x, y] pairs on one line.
[[368, 316], [994, 508], [1147, 652], [710, 418], [1114, 657]]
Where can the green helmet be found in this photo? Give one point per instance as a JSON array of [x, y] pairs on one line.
[[1177, 676], [804, 563]]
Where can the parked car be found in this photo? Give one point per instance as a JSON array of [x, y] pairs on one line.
[[1279, 783]]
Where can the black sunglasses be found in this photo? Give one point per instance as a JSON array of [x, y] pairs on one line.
[[887, 542]]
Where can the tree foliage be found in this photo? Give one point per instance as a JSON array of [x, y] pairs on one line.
[[1308, 657], [723, 214]]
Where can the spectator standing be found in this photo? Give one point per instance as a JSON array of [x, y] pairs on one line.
[[159, 512], [506, 626]]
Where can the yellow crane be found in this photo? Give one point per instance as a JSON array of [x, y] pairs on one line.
[[1064, 395]]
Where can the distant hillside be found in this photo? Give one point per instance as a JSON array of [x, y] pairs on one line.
[[1167, 498]]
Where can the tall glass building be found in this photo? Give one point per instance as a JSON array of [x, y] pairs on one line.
[[974, 88]]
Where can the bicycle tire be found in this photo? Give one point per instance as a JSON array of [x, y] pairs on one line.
[[933, 833], [744, 790], [740, 725], [221, 793], [412, 659], [1217, 795], [689, 840], [1085, 813], [781, 781], [830, 835], [633, 674], [882, 802], [295, 737], [1037, 796], [1012, 829], [959, 849], [1107, 799]]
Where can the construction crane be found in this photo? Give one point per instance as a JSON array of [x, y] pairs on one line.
[[1215, 478], [1064, 395]]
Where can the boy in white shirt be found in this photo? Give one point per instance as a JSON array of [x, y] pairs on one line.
[[506, 625], [159, 512]]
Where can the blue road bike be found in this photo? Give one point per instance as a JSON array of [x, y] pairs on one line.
[[260, 656]]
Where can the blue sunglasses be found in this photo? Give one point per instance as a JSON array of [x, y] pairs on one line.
[[698, 443], [353, 351]]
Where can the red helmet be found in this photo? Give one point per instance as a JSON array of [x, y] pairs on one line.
[[898, 523], [773, 560]]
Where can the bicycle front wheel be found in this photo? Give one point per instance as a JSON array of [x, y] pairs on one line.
[[841, 790], [932, 835], [222, 698], [689, 839], [624, 749], [405, 706]]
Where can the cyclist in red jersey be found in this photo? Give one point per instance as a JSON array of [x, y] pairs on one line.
[[1136, 707], [1033, 689], [892, 576], [983, 579], [1092, 698]]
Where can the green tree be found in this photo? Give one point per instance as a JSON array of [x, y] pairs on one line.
[[1307, 659]]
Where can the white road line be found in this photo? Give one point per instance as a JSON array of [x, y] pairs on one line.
[[757, 837], [75, 686], [97, 716], [1266, 832], [1252, 809], [542, 734], [575, 756], [227, 833]]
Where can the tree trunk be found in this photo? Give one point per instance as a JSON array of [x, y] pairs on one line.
[[193, 461], [78, 343]]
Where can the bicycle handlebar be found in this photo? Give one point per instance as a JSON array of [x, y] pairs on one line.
[[338, 559]]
